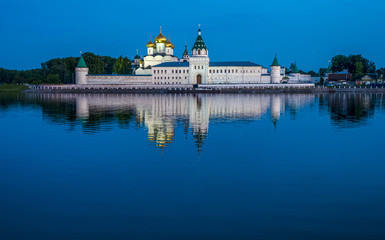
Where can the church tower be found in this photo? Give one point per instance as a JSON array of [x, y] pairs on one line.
[[185, 56], [81, 71], [199, 62], [275, 71]]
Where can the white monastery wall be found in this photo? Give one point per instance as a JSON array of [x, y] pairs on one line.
[[118, 79]]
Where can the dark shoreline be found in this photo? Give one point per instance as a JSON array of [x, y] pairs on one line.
[[205, 90]]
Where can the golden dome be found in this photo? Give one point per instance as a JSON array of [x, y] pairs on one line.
[[169, 44], [160, 38], [151, 45]]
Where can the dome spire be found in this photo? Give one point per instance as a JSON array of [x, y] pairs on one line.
[[199, 31]]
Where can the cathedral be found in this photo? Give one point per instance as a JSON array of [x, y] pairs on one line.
[[161, 66]]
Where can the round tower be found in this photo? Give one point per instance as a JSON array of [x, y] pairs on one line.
[[275, 71], [81, 72]]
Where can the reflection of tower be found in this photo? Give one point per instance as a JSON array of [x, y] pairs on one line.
[[276, 107], [82, 107], [199, 118]]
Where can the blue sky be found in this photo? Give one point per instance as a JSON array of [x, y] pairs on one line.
[[310, 32]]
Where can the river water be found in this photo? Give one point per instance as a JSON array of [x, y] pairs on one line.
[[137, 166]]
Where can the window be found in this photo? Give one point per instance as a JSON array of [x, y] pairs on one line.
[[199, 52], [221, 70], [195, 67]]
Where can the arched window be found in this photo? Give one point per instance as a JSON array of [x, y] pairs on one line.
[[199, 52]]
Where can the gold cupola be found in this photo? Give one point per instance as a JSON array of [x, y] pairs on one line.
[[169, 44], [160, 38], [151, 44]]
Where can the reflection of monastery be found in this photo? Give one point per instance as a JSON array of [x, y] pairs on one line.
[[160, 66], [160, 113]]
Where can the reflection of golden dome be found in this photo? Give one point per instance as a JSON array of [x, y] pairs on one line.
[[160, 38], [151, 44], [169, 44]]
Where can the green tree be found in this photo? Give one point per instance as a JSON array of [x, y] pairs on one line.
[[313, 74], [322, 72], [53, 78], [355, 64], [94, 63], [122, 66], [359, 68]]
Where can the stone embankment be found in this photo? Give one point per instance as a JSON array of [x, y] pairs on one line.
[[201, 88]]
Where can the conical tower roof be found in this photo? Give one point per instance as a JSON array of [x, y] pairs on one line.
[[81, 63], [199, 43], [294, 69], [185, 53], [275, 62]]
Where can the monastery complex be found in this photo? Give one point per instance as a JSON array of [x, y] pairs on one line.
[[160, 66]]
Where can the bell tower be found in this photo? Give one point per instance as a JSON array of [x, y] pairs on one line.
[[199, 61]]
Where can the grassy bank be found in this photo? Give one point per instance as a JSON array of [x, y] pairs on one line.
[[12, 88]]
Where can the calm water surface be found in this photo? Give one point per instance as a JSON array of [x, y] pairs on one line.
[[262, 166]]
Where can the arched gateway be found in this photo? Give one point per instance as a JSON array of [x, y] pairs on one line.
[[199, 79]]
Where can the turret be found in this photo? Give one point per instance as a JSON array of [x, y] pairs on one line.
[[185, 56], [199, 48], [169, 47], [275, 71], [150, 47], [137, 58], [295, 68], [81, 71]]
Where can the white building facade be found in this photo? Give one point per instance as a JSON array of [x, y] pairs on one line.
[[160, 66]]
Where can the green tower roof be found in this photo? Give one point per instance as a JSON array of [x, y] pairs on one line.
[[199, 44], [185, 53], [275, 62], [82, 63], [294, 69]]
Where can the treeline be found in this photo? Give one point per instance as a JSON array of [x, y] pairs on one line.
[[62, 70], [357, 65]]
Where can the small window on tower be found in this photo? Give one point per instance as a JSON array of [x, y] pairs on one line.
[[199, 52]]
